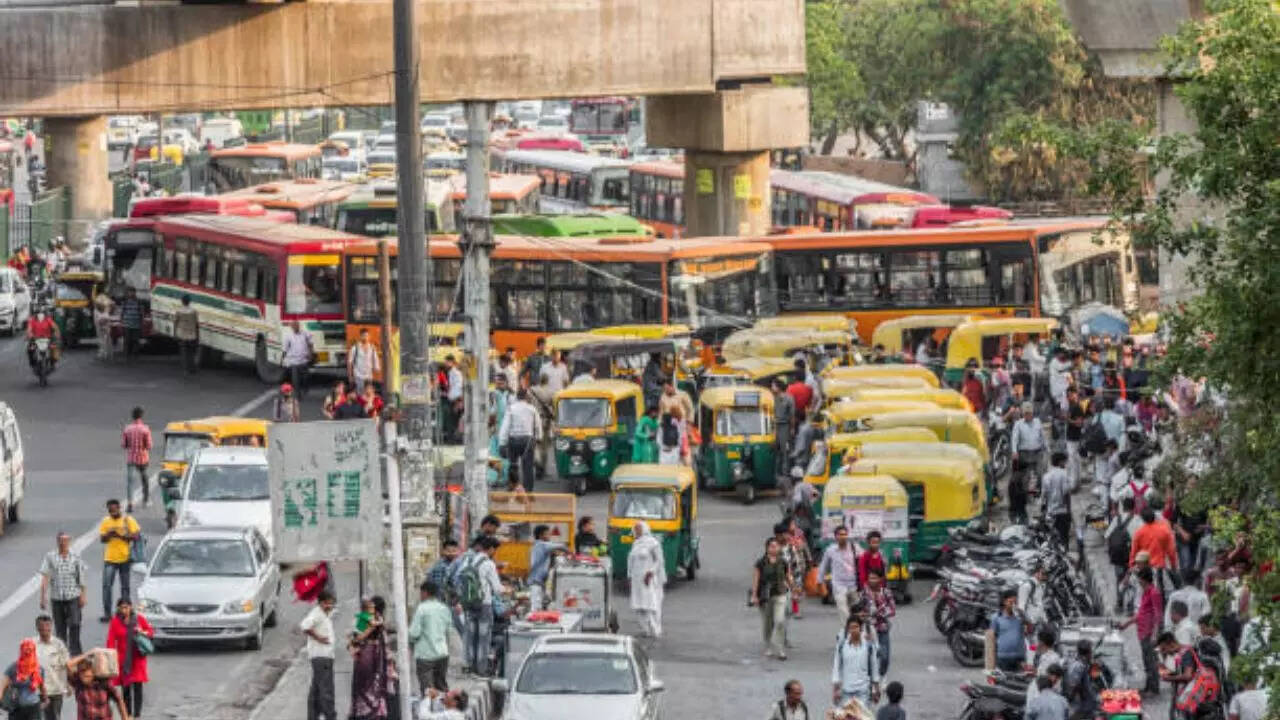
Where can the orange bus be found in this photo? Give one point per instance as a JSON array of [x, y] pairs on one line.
[[873, 276], [543, 285], [508, 194], [311, 201], [657, 196], [239, 167]]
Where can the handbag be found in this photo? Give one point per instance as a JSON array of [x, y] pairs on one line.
[[1202, 689], [138, 549], [9, 699], [143, 643]]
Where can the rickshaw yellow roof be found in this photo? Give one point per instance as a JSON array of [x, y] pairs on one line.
[[938, 449], [81, 275], [814, 321], [679, 477], [940, 421], [570, 340], [839, 387], [886, 485], [600, 388], [755, 367], [724, 395], [885, 435], [942, 397], [219, 424], [934, 467], [965, 341], [856, 372], [778, 342], [643, 330], [912, 322], [855, 410]]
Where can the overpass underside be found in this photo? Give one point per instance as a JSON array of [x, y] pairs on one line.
[[104, 59]]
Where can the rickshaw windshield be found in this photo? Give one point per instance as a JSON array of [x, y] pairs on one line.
[[644, 504], [741, 421], [67, 291], [181, 448], [583, 413]]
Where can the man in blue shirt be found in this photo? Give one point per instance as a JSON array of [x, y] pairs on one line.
[[1008, 635], [540, 556]]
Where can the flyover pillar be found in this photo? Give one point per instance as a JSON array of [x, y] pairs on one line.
[[727, 136], [77, 159]]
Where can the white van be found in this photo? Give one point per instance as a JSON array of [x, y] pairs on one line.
[[15, 301], [227, 486], [13, 476], [220, 130]]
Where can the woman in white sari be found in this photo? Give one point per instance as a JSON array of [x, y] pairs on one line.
[[646, 568]]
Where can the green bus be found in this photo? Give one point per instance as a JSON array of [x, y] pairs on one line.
[[371, 210], [571, 225]]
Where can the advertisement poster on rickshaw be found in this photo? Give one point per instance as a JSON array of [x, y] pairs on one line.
[[859, 521]]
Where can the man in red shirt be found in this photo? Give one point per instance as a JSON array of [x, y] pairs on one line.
[[972, 389], [1148, 618], [40, 325], [135, 439], [1156, 538], [802, 394], [871, 559]]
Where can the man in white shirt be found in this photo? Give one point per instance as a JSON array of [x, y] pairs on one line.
[[1190, 595], [53, 656], [451, 705], [1059, 377], [556, 372], [520, 429], [840, 561], [1186, 630], [454, 394], [1250, 703], [296, 352], [363, 361], [479, 618], [318, 627], [1027, 442], [587, 374], [1031, 597]]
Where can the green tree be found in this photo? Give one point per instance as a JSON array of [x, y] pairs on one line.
[[1220, 207], [835, 87]]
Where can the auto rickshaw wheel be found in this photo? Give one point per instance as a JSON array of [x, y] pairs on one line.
[[613, 622], [690, 570], [748, 492], [577, 485]]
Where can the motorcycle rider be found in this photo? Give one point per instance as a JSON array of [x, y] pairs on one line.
[[40, 325]]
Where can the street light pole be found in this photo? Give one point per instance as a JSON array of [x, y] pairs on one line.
[[476, 244]]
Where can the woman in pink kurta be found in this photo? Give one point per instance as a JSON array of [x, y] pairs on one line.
[[125, 624]]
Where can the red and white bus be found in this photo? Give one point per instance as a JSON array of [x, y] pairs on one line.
[[248, 278], [603, 123]]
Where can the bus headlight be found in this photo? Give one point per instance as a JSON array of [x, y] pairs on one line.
[[598, 444]]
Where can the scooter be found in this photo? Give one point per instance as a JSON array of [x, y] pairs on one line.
[[41, 358]]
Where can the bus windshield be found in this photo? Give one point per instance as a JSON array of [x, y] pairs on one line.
[[374, 222], [129, 259], [312, 287], [235, 173], [599, 119]]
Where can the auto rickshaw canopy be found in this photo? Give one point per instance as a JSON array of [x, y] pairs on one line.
[[965, 343], [603, 352], [608, 389], [948, 450], [754, 369], [942, 397], [814, 321], [674, 479], [948, 425], [783, 343], [845, 413], [644, 331], [220, 427], [859, 372], [737, 397], [889, 333], [835, 388], [887, 491], [953, 491]]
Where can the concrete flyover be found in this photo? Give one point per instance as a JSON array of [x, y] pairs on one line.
[[89, 60]]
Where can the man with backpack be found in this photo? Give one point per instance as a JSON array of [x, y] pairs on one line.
[[476, 585], [791, 706], [1197, 686], [1119, 539]]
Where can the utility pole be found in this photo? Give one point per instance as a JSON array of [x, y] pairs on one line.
[[476, 244], [400, 607]]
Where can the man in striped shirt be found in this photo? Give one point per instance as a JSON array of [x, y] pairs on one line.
[[136, 441]]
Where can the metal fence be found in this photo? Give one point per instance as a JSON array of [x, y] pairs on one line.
[[37, 223], [5, 246]]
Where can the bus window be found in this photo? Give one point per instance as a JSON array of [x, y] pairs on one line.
[[860, 279], [965, 280], [803, 280], [1015, 282], [313, 288], [913, 277]]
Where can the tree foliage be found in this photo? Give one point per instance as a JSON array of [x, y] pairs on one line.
[[1012, 70], [1219, 206]]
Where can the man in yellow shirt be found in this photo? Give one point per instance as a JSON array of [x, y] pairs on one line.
[[117, 532]]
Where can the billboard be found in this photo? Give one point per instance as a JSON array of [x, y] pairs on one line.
[[326, 490]]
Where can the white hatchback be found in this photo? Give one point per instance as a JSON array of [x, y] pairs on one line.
[[227, 487]]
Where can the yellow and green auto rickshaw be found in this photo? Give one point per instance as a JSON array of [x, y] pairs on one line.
[[836, 389], [73, 296], [519, 514], [904, 334], [738, 440], [666, 498], [942, 397], [835, 346], [184, 438], [982, 340], [815, 321], [863, 503], [950, 426], [759, 371], [941, 494], [859, 372], [595, 423], [947, 450], [847, 415]]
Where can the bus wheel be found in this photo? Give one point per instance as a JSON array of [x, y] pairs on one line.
[[267, 372]]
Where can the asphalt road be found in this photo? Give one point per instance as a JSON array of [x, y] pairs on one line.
[[71, 438], [710, 657]]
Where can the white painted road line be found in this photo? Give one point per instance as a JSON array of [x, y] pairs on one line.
[[32, 585]]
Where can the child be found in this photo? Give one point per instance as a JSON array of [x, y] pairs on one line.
[[892, 711]]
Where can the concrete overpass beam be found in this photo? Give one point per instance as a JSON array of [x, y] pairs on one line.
[[727, 136], [77, 159]]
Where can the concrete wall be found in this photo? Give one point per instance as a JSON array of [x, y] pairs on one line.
[[753, 118], [1126, 33], [102, 59]]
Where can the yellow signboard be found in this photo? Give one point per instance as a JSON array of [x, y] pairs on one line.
[[706, 181], [741, 187]]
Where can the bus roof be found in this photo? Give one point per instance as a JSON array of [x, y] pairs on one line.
[[269, 149], [258, 231], [187, 204], [901, 238], [846, 189], [302, 192], [615, 249], [502, 186], [661, 168], [383, 194], [562, 160]]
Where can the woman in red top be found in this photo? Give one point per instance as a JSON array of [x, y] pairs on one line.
[[371, 400], [125, 626]]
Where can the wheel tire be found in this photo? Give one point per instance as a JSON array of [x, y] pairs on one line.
[[962, 653], [12, 514], [748, 493], [255, 642], [691, 570], [267, 372], [580, 486], [271, 619], [940, 620]]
